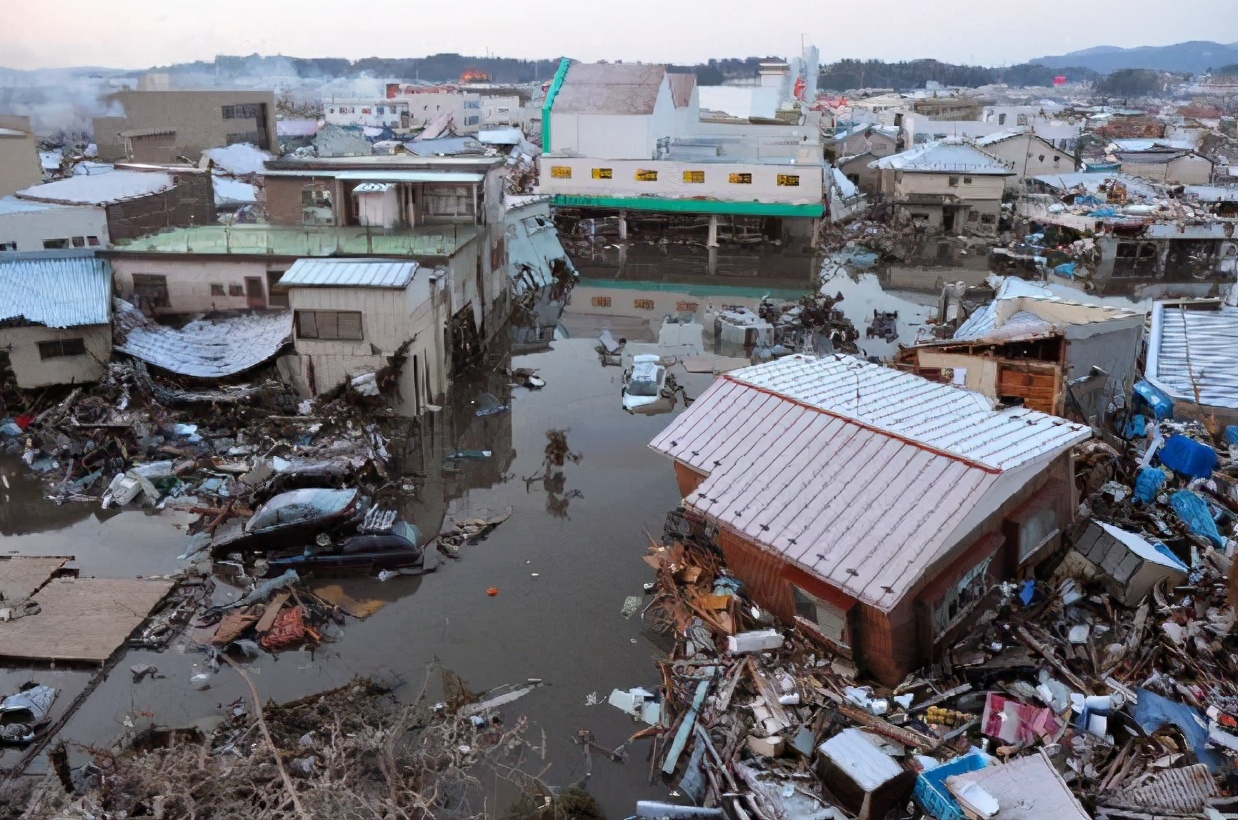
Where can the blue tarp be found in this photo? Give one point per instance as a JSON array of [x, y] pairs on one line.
[[1231, 434], [1149, 483], [1160, 403], [1187, 456], [1196, 514], [1066, 269], [1136, 427], [1153, 711]]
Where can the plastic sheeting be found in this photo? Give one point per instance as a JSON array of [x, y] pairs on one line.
[[1189, 457], [1195, 513]]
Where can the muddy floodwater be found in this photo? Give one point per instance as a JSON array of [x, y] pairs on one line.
[[562, 573]]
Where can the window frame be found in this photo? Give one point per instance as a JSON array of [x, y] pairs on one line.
[[56, 348], [304, 320]]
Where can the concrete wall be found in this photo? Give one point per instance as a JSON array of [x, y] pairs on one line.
[[380, 113], [32, 370], [390, 317], [982, 187], [197, 117], [604, 135], [19, 157], [670, 182], [29, 229], [425, 108], [190, 278], [1187, 170], [1029, 156]]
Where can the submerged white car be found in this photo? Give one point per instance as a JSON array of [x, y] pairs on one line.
[[643, 384]]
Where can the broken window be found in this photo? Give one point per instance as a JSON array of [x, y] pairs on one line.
[[343, 325], [217, 289], [694, 176], [1135, 259], [967, 180], [988, 219], [277, 295], [643, 175], [741, 179], [92, 241], [832, 620], [236, 290], [642, 304], [448, 200], [1035, 531], [560, 172], [79, 241], [151, 290], [603, 173], [1001, 119], [961, 597], [973, 216], [953, 182], [600, 301], [1021, 119], [789, 180], [8, 246], [58, 348], [244, 138], [1191, 257], [247, 111], [55, 244]]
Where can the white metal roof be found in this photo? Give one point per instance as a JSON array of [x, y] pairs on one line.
[[56, 290], [13, 205], [949, 156], [100, 189], [1016, 311], [379, 175], [349, 273], [1207, 337], [1026, 788], [855, 472]]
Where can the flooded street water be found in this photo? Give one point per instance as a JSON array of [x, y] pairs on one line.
[[562, 576], [563, 563]]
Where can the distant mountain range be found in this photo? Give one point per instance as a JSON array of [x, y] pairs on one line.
[[1195, 57]]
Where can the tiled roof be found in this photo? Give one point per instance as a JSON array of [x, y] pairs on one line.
[[61, 290]]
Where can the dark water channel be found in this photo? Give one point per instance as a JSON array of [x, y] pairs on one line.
[[562, 573]]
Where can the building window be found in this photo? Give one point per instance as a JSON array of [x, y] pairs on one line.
[[1001, 119], [151, 290], [988, 219], [789, 180], [58, 348], [643, 175], [600, 301], [474, 120], [740, 179], [55, 244], [686, 307], [343, 325], [560, 172], [365, 111], [1036, 531], [236, 290], [92, 241], [967, 180], [247, 111], [8, 246], [331, 110], [961, 597], [642, 304], [79, 241], [696, 177], [1021, 119], [382, 109], [953, 182], [603, 173], [244, 137], [217, 289], [277, 295], [830, 619]]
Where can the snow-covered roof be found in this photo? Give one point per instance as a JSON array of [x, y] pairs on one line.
[[238, 160], [1139, 145], [1001, 136], [1213, 193], [1019, 312], [953, 155], [100, 189], [846, 188], [232, 193]]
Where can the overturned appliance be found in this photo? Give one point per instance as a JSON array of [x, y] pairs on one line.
[[22, 714], [298, 516], [397, 547]]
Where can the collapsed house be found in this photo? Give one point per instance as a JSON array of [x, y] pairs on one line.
[[55, 317], [876, 505], [354, 317], [1033, 348]]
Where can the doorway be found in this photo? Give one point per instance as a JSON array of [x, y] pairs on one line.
[[255, 296]]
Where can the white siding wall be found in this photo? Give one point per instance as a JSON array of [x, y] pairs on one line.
[[1023, 153], [670, 182], [31, 370], [190, 280], [981, 187], [29, 229]]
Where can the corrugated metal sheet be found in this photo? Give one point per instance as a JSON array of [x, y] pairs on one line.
[[210, 349], [532, 249], [100, 189], [854, 472], [938, 416], [57, 291], [349, 273], [1177, 791], [1209, 338], [1013, 314]]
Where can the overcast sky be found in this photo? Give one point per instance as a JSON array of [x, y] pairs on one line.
[[142, 33]]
